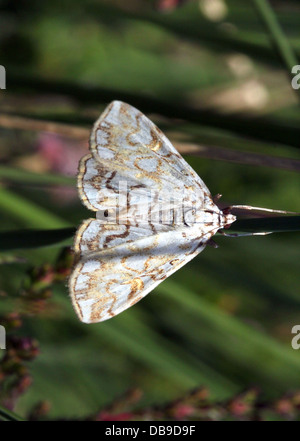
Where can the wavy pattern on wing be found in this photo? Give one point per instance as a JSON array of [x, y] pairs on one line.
[[144, 194], [119, 266]]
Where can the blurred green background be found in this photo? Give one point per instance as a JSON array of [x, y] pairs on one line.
[[207, 72]]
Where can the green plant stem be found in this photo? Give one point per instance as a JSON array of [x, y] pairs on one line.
[[279, 224], [279, 39], [28, 177], [29, 213], [23, 239], [10, 416], [20, 239]]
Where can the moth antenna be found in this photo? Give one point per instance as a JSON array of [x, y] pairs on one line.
[[264, 233], [250, 208]]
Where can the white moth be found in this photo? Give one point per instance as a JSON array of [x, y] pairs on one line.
[[154, 214]]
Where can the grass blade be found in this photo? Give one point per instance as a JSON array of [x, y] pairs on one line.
[[278, 37], [8, 415], [28, 212], [267, 224], [20, 239], [30, 238], [28, 177]]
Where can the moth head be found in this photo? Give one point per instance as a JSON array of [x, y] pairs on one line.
[[217, 219], [228, 219]]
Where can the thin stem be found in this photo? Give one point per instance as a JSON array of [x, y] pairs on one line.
[[81, 133], [236, 156], [28, 212], [32, 238], [21, 239], [278, 37], [280, 224], [36, 125], [10, 416], [23, 176]]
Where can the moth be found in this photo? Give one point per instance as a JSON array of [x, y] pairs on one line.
[[153, 214]]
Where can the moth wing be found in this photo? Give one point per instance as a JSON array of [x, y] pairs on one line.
[[117, 268], [126, 199], [127, 147], [119, 263]]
